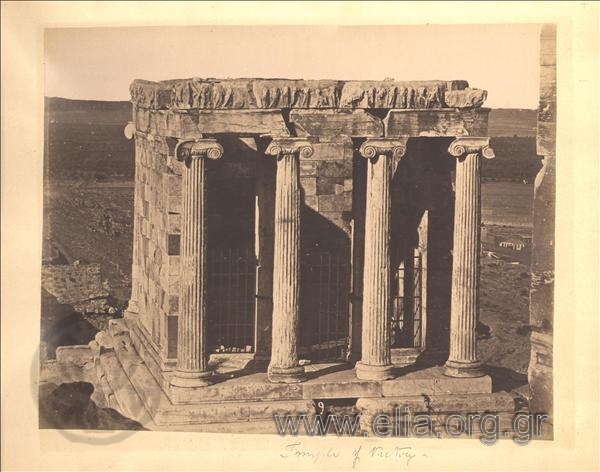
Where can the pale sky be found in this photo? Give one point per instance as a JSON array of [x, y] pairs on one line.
[[100, 63]]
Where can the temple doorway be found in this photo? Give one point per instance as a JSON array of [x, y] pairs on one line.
[[231, 262]]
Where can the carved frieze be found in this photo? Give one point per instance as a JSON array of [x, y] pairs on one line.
[[467, 98], [235, 94]]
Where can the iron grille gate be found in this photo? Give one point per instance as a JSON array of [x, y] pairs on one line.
[[407, 306], [230, 299], [324, 306]]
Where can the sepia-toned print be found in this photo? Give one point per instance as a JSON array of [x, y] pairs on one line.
[[326, 256]]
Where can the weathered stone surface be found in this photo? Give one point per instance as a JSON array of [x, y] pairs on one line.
[[137, 384], [375, 363], [240, 391], [233, 411], [235, 121], [449, 385], [438, 408], [392, 94], [78, 354], [333, 149], [284, 366], [308, 168], [120, 390], [334, 123], [548, 46], [467, 403], [103, 341], [192, 353], [463, 360], [334, 168], [466, 98], [470, 122], [311, 202], [265, 206], [337, 203], [546, 128], [216, 94], [541, 297], [330, 186], [332, 389], [402, 357], [309, 185], [401, 387], [279, 93]]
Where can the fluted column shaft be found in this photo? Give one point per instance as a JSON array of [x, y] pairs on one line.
[[375, 363], [133, 305], [464, 315], [284, 366], [192, 358]]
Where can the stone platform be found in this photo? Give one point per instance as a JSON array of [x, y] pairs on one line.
[[245, 397]]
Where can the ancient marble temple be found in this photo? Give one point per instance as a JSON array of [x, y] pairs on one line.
[[298, 240]]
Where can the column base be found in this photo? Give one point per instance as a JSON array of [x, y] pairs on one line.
[[463, 369], [374, 372], [182, 379], [132, 311], [132, 306], [286, 374]]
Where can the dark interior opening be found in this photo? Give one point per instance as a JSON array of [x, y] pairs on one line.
[[231, 262]]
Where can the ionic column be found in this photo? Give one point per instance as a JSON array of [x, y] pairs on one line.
[[284, 366], [133, 305], [192, 358], [375, 363], [464, 314]]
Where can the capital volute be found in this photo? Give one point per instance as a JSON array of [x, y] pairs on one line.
[[129, 130], [393, 147], [208, 148], [460, 147], [290, 146]]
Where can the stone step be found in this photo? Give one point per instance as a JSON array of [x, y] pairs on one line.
[[105, 396], [121, 394], [253, 387], [142, 385], [249, 411], [470, 403], [252, 398], [240, 427], [439, 409]]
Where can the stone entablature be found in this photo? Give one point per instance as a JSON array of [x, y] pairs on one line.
[[266, 94]]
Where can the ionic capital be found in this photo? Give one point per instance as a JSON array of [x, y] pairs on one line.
[[282, 146], [462, 146], [208, 148], [374, 147], [129, 130]]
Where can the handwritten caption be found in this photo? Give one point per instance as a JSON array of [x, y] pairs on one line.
[[403, 455]]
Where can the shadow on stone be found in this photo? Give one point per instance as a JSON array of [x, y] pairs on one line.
[[69, 406], [504, 379], [324, 286], [329, 370], [483, 331], [61, 325]]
